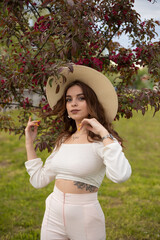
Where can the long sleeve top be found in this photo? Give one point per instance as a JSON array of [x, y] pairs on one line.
[[87, 163]]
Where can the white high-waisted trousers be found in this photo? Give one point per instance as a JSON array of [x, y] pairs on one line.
[[73, 217]]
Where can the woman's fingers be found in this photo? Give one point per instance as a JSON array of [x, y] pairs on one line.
[[90, 124], [93, 125], [31, 130], [33, 124]]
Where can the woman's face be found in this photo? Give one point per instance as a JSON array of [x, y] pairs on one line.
[[76, 104]]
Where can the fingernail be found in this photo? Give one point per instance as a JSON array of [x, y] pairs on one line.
[[79, 126], [37, 123]]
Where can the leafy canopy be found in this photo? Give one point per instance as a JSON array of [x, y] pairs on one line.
[[38, 37]]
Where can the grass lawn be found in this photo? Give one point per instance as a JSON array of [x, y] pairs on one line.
[[132, 209]]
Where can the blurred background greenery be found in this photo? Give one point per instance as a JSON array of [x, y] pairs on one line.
[[132, 209], [142, 80]]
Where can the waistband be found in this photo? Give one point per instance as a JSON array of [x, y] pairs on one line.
[[71, 198]]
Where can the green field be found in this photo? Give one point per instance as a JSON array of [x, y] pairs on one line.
[[132, 209]]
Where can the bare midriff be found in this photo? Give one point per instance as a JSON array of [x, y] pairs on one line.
[[69, 186]]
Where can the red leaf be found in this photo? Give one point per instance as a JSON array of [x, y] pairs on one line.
[[74, 46], [70, 66]]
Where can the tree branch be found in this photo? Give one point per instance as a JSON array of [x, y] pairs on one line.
[[20, 42], [48, 8], [42, 46], [43, 91], [34, 10], [18, 104], [107, 41]]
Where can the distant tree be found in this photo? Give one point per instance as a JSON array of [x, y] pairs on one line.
[[38, 37]]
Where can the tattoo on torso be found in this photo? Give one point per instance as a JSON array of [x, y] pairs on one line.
[[85, 186]]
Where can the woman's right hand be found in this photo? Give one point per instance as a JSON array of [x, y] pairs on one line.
[[31, 131]]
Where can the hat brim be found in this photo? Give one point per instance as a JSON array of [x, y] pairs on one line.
[[100, 84]]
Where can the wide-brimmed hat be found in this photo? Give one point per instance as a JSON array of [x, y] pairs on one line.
[[100, 84]]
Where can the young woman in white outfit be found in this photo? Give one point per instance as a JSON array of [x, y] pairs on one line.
[[86, 150]]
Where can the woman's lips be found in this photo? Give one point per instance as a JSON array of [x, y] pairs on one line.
[[75, 111]]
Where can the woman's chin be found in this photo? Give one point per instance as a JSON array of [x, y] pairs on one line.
[[77, 118]]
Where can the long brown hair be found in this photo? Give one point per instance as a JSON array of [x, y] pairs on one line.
[[96, 110]]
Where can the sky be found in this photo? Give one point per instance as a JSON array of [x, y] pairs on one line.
[[147, 10]]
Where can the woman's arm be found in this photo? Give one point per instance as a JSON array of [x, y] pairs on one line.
[[40, 175], [118, 168], [31, 154]]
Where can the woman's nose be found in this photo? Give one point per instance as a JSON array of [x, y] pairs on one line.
[[74, 103]]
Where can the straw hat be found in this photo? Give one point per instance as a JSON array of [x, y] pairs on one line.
[[97, 81]]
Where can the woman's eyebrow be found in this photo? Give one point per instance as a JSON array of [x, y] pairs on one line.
[[76, 95]]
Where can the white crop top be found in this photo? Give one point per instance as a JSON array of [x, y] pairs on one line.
[[87, 163]]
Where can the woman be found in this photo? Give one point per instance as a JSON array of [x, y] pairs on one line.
[[86, 150]]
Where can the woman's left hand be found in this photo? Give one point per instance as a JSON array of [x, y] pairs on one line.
[[94, 126]]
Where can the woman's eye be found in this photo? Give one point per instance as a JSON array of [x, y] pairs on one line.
[[81, 98], [68, 99]]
